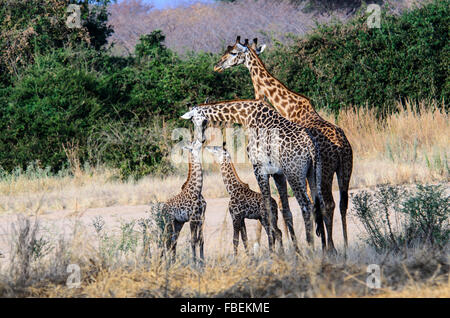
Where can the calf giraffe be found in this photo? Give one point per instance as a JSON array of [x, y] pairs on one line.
[[245, 203], [187, 206], [276, 145], [336, 151]]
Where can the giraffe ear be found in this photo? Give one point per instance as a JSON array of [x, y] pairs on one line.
[[188, 115], [229, 48], [246, 42], [238, 39], [261, 49]]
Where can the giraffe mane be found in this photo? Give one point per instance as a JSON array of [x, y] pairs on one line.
[[189, 173], [227, 101], [265, 69], [237, 177]]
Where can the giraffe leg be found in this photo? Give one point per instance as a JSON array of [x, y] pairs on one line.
[[244, 235], [172, 241], [317, 209], [277, 235], [264, 186], [280, 183], [195, 231], [236, 229], [298, 184], [201, 240], [265, 225], [328, 214], [344, 173]]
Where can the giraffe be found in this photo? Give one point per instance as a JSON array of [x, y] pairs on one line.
[[276, 146], [245, 203], [187, 206], [336, 151]]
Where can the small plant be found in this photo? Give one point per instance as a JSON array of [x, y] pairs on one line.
[[26, 248], [395, 218], [160, 221], [128, 237], [145, 225], [107, 244], [428, 212]]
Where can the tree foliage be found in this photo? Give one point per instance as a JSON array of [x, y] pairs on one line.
[[59, 85]]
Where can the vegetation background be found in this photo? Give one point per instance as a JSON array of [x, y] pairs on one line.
[[130, 65], [86, 117]]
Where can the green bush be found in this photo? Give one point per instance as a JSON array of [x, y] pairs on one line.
[[55, 101], [35, 27], [350, 64], [395, 218], [64, 90]]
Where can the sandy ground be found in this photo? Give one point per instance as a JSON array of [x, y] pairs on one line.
[[217, 230]]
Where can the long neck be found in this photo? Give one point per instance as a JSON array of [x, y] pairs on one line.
[[239, 111], [189, 171], [194, 183], [230, 177], [289, 104]]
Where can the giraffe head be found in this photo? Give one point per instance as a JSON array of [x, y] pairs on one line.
[[195, 148], [200, 122], [220, 153], [237, 54]]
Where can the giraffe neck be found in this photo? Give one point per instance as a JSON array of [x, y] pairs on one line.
[[189, 171], [289, 104], [230, 178], [239, 111], [194, 183]]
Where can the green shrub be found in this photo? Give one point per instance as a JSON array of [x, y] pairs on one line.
[[395, 218], [77, 93], [35, 27], [350, 64]]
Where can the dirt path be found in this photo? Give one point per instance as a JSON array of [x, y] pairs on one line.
[[217, 230]]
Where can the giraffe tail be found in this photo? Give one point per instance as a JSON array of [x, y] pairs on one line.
[[319, 203]]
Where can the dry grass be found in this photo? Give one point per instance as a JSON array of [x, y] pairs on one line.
[[409, 146], [422, 273]]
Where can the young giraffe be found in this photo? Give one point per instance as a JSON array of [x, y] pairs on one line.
[[187, 206], [245, 203], [276, 145], [336, 151]]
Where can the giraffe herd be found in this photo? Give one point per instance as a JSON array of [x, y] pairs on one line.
[[288, 140]]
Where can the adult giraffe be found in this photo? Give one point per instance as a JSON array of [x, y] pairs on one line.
[[336, 151], [276, 146]]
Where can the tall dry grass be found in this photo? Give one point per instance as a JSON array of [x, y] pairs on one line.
[[411, 145], [128, 274]]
